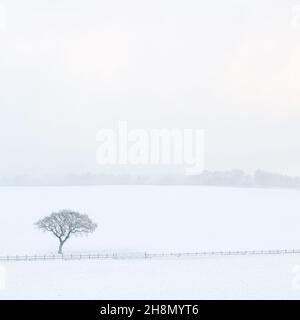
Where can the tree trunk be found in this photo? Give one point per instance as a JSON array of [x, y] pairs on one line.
[[61, 243]]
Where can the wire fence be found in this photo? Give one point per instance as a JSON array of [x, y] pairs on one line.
[[145, 255]]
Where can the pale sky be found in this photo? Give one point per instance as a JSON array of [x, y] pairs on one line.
[[68, 68]]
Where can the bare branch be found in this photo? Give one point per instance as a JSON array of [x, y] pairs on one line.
[[65, 223]]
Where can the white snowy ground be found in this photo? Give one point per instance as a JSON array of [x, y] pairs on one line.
[[156, 218], [247, 277]]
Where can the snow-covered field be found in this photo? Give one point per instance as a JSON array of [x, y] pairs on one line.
[[247, 277], [154, 218], [159, 218]]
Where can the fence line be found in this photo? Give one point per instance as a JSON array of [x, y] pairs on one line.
[[144, 255]]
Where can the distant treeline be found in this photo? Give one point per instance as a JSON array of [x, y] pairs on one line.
[[239, 178], [234, 178]]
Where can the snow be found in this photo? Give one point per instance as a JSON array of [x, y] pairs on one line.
[[158, 219], [247, 277], [154, 218]]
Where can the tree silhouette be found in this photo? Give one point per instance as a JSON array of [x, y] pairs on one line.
[[66, 223]]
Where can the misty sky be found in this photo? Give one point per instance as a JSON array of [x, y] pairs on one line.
[[68, 68]]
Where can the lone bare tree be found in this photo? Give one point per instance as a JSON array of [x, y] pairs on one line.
[[66, 223]]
